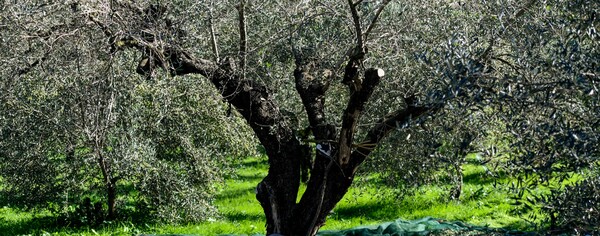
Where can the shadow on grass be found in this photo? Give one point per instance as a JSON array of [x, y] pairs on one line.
[[256, 162], [240, 216], [248, 177], [37, 226], [481, 178], [374, 210], [235, 194], [478, 179], [17, 222], [252, 162]]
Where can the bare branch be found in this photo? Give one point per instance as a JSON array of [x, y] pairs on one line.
[[357, 26], [105, 29], [383, 128], [213, 37], [374, 21], [243, 36], [312, 92]]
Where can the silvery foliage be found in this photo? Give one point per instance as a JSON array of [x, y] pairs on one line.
[[69, 103]]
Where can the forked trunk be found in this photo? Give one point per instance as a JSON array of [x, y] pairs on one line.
[[325, 189]]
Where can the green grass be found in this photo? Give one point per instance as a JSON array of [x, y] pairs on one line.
[[481, 204]]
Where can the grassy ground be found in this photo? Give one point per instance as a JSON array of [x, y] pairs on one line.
[[481, 204]]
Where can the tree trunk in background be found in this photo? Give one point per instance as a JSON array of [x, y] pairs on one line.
[[110, 184], [112, 201], [456, 191]]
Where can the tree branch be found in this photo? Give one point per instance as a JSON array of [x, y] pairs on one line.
[[383, 128], [353, 112], [357, 26], [213, 37], [374, 21], [357, 56], [312, 93], [243, 36]]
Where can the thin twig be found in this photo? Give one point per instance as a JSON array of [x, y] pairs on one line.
[[377, 13], [213, 39]]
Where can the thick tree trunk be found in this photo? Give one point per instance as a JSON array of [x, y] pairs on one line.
[[325, 189], [335, 163]]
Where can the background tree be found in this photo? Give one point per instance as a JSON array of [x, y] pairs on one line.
[[74, 127], [444, 63], [529, 95]]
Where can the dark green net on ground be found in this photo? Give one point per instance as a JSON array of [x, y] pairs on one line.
[[424, 226], [419, 227]]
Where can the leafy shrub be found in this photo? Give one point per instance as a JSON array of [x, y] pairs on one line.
[[575, 208]]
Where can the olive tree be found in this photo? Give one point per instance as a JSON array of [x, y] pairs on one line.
[[322, 84], [83, 136], [538, 101], [531, 112]]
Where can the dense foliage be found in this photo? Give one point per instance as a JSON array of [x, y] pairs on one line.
[[82, 123], [574, 208]]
